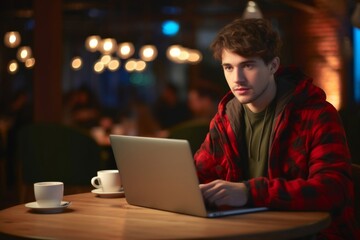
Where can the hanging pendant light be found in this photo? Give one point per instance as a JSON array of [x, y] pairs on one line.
[[252, 11]]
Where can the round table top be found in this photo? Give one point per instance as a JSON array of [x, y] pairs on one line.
[[92, 217]]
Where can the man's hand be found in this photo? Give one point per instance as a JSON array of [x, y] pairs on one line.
[[220, 193]]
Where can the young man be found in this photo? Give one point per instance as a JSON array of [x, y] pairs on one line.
[[275, 140]]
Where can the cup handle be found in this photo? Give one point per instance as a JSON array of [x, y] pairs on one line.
[[93, 182]]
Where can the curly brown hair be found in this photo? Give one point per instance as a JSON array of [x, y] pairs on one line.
[[248, 38]]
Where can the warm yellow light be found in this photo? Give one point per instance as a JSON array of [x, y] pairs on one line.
[[195, 56], [179, 54], [184, 55], [114, 65], [30, 62], [13, 67], [135, 65], [105, 59], [251, 7], [12, 39], [252, 11], [99, 67], [108, 45], [130, 65], [329, 80], [125, 50], [148, 52], [140, 66], [24, 53], [76, 63], [173, 51], [92, 43]]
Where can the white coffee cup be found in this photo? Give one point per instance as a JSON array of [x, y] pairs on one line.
[[107, 180], [49, 194]]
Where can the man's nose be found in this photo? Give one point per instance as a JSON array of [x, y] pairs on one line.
[[239, 76]]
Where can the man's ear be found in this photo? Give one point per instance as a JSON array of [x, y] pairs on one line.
[[274, 64]]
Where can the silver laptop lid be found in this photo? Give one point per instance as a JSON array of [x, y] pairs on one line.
[[158, 173]]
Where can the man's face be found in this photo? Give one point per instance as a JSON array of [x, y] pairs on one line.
[[250, 79]]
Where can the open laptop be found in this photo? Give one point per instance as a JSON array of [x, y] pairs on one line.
[[160, 173]]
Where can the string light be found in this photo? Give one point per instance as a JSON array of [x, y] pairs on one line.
[[130, 65], [24, 53], [173, 52], [135, 65], [125, 50], [30, 62], [13, 67], [76, 63], [99, 67], [195, 56], [105, 59], [108, 46], [148, 53], [92, 43], [114, 65], [180, 54], [12, 39]]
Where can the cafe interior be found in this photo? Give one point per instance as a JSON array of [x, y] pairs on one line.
[[74, 71]]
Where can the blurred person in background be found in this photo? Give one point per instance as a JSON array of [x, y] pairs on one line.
[[203, 97], [81, 109], [169, 109]]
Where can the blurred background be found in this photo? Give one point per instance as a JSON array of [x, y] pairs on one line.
[[92, 68]]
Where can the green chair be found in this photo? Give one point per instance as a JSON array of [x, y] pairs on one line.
[[55, 152]]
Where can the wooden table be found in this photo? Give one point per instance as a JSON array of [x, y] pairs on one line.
[[91, 217]]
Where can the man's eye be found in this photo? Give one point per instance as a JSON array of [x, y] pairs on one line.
[[248, 66], [227, 68]]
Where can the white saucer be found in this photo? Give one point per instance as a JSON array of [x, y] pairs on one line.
[[100, 193], [35, 207]]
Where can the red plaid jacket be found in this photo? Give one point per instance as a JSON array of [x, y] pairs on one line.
[[309, 161]]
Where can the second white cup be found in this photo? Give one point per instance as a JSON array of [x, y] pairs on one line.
[[107, 180]]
